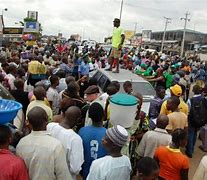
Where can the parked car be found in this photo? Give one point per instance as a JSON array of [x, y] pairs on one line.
[[18, 122], [138, 83]]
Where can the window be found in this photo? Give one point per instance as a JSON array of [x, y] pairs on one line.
[[102, 82], [97, 75], [144, 88]]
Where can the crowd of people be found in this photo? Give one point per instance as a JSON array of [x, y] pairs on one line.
[[66, 132]]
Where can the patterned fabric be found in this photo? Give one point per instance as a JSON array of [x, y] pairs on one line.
[[118, 135]]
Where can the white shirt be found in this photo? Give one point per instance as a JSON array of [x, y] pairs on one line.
[[61, 94], [62, 85], [52, 95], [110, 168], [151, 141], [28, 87], [73, 146], [44, 156], [10, 79], [201, 172]]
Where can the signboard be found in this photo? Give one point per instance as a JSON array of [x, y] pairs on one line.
[[31, 27], [8, 30], [146, 35], [32, 15], [128, 34], [12, 35]]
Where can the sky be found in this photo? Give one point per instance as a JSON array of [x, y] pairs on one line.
[[93, 19]]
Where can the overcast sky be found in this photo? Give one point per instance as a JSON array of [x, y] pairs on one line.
[[93, 18]]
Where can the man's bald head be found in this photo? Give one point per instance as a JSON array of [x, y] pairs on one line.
[[39, 92], [37, 118], [162, 121], [69, 79], [72, 116]]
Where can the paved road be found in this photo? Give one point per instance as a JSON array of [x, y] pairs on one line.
[[198, 154], [194, 162]]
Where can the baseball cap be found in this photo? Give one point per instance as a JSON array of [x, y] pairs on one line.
[[176, 90]]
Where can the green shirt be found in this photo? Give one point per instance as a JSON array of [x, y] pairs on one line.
[[139, 71], [148, 71], [116, 37], [168, 79]]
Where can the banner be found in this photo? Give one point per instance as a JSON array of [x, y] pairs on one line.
[[31, 27], [128, 34], [146, 35]]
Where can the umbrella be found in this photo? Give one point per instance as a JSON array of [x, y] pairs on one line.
[[28, 37]]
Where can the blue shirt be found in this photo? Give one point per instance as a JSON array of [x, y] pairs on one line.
[[65, 68], [84, 68], [76, 63], [92, 143]]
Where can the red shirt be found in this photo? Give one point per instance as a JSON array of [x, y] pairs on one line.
[[12, 167]]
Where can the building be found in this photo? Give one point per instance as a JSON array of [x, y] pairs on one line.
[[173, 39], [12, 34], [191, 37], [75, 37]]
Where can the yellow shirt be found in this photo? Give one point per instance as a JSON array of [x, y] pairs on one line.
[[35, 67], [116, 37], [45, 100], [41, 104], [183, 107]]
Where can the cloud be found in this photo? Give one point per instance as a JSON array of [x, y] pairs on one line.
[[93, 18]]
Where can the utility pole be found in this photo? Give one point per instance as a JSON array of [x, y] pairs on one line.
[[183, 40], [122, 1], [167, 21], [135, 28]]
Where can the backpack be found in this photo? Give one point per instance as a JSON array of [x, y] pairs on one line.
[[198, 112]]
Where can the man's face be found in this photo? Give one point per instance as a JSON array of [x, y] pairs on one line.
[[91, 97], [127, 89], [57, 83], [161, 94], [116, 24], [106, 143], [169, 105]]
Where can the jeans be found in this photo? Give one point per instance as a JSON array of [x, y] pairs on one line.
[[192, 136]]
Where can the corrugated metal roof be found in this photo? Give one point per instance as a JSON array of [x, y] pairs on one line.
[[187, 30]]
